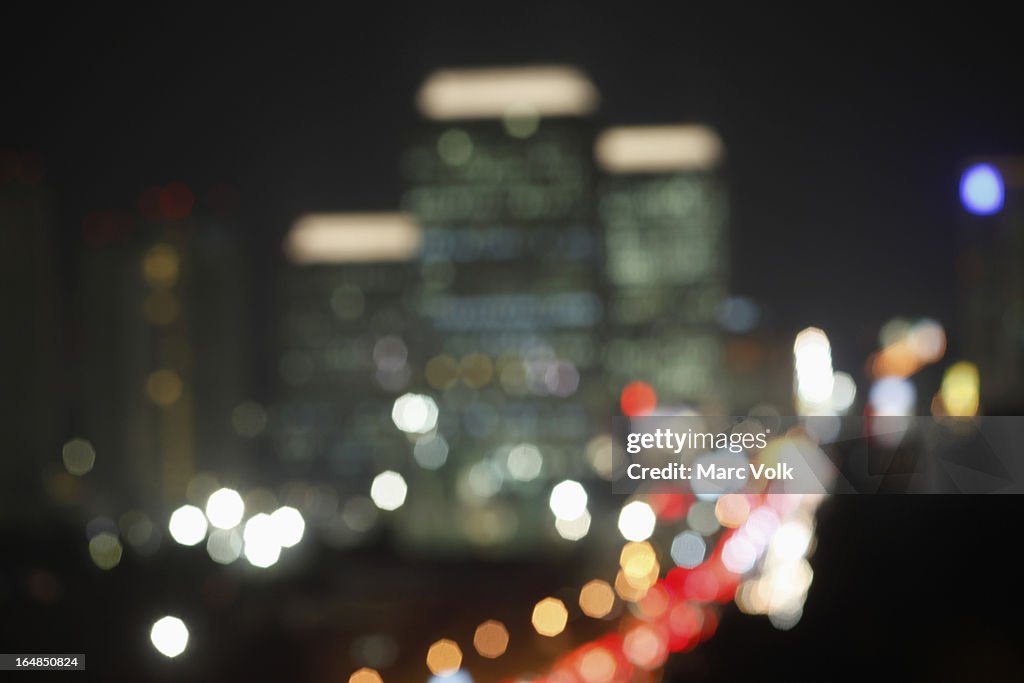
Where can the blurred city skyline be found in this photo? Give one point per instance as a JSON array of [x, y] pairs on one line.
[[270, 305], [844, 145]]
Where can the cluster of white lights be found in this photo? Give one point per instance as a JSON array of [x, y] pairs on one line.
[[261, 539], [568, 502], [812, 355], [261, 546], [819, 389], [781, 588]]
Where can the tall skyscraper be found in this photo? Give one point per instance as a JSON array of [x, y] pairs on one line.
[[990, 276], [663, 210], [160, 305], [502, 180], [348, 343], [31, 349]]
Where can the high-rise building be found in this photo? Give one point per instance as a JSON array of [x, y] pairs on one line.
[[501, 178], [31, 349], [348, 342], [663, 210], [160, 308], [990, 276]]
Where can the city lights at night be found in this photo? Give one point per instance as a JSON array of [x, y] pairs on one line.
[[556, 345]]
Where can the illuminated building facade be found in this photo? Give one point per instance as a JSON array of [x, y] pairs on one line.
[[663, 211], [348, 340], [501, 179]]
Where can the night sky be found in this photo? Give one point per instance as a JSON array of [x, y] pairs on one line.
[[845, 131]]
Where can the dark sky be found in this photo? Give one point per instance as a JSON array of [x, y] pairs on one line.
[[845, 130]]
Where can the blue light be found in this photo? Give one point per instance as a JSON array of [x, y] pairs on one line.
[[460, 676], [982, 190]]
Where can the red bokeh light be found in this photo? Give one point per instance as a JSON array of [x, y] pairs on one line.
[[670, 506], [685, 622], [638, 398], [176, 201], [710, 624]]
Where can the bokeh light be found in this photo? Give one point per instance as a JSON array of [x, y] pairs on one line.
[[524, 462], [260, 541], [597, 665], [105, 550], [688, 549], [568, 500], [927, 340], [637, 521], [160, 266], [164, 387], [626, 590], [982, 190], [844, 392], [78, 456], [388, 490], [455, 147], [169, 636], [491, 639], [812, 363], [645, 647], [225, 508], [224, 546], [739, 554], [549, 617], [892, 396], [639, 571], [289, 526], [415, 413], [702, 519], [732, 509], [365, 675], [444, 657], [573, 529], [638, 399], [430, 452], [187, 525], [960, 389], [460, 676], [597, 599]]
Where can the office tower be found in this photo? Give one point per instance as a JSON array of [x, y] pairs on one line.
[[990, 279], [501, 178], [31, 348], [663, 210], [160, 309], [348, 341]]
